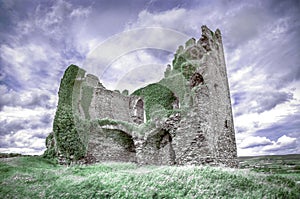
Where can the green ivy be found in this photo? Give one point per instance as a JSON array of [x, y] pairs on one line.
[[106, 121], [188, 70], [68, 141], [178, 60], [156, 94], [125, 92]]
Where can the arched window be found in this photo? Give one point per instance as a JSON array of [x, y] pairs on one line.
[[140, 107], [139, 112]]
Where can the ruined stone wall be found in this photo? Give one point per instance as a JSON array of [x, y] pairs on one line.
[[94, 101], [109, 104], [205, 132], [199, 129], [156, 149], [209, 122], [111, 145]]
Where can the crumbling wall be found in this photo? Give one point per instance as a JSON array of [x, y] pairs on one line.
[[209, 119], [111, 145], [189, 113], [113, 105]]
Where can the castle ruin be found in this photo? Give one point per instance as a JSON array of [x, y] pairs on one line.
[[184, 119]]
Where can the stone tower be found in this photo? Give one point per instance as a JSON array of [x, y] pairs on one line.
[[188, 114], [209, 120]]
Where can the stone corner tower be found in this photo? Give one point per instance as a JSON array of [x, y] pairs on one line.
[[206, 134]]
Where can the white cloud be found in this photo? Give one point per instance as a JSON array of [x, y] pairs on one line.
[[167, 19], [30, 98], [21, 150], [80, 12], [134, 70], [254, 146], [115, 49], [254, 141], [25, 63], [24, 130], [10, 114]]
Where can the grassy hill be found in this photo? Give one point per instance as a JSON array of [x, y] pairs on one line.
[[35, 177]]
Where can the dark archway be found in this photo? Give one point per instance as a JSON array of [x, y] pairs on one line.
[[139, 111]]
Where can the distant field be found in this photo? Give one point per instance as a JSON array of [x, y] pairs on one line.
[[281, 164], [263, 177]]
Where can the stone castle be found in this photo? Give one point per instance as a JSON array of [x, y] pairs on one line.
[[184, 119]]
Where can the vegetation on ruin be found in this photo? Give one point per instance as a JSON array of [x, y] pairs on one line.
[[36, 177], [68, 140], [125, 92], [121, 138], [50, 153], [155, 95], [188, 70], [178, 61], [106, 121]]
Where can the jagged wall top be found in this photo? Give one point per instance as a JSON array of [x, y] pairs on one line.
[[205, 41]]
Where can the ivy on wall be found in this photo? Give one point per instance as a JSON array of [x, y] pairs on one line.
[[154, 95], [67, 138]]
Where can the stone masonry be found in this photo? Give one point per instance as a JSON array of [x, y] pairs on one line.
[[199, 130]]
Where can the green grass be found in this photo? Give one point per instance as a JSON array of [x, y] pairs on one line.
[[35, 177]]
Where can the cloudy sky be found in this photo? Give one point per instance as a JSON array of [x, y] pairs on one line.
[[129, 43]]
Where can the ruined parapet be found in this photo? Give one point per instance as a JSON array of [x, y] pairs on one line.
[[188, 114]]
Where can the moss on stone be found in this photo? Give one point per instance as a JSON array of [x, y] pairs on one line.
[[50, 151], [68, 141], [177, 84], [188, 70], [178, 61], [121, 138], [106, 121], [125, 92], [156, 94]]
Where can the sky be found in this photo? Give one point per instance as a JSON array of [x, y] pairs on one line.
[[128, 44]]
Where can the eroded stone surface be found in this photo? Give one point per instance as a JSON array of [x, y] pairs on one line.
[[200, 131]]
